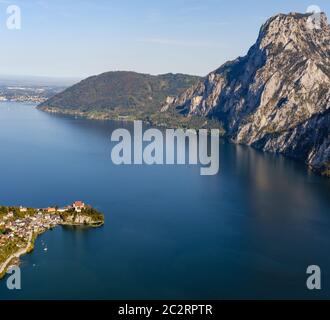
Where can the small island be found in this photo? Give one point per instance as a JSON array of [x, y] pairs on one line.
[[20, 226]]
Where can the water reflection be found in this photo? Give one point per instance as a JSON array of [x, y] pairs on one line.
[[249, 232]]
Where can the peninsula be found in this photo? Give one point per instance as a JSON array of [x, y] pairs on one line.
[[20, 226]]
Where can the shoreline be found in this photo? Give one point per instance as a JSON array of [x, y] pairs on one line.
[[323, 172], [30, 246], [5, 265], [22, 226], [146, 119], [85, 115], [90, 225]]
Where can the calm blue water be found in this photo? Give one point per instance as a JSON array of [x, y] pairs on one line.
[[249, 232]]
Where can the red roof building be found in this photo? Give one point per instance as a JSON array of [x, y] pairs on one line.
[[78, 205]]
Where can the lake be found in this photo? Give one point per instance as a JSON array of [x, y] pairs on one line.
[[170, 233]]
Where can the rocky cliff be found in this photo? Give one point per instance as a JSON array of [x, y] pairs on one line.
[[276, 98], [82, 219], [88, 216]]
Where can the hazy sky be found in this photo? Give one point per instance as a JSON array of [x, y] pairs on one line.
[[79, 38]]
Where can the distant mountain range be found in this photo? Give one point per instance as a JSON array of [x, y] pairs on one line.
[[36, 81], [276, 98]]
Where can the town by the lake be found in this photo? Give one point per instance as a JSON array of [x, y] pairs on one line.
[[20, 226]]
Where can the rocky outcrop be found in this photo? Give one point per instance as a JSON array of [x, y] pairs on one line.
[[82, 219], [277, 97]]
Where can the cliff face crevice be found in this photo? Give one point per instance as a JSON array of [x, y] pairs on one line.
[[277, 97]]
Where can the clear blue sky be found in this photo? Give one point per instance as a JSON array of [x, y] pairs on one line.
[[78, 38]]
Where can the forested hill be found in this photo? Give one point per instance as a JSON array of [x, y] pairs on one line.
[[118, 94]]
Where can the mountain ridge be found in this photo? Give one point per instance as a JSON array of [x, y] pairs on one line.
[[277, 97]]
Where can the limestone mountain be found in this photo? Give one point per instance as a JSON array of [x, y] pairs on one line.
[[118, 94], [277, 97]]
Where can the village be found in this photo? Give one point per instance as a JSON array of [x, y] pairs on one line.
[[21, 222], [20, 226], [23, 98]]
